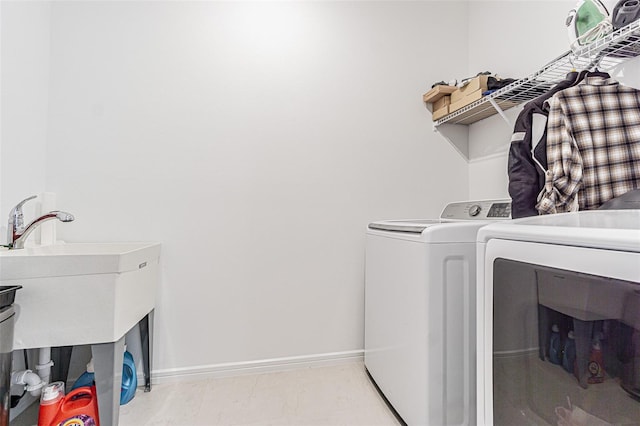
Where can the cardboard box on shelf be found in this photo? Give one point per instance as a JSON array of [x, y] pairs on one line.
[[471, 97], [442, 102], [437, 92], [439, 113], [475, 84]]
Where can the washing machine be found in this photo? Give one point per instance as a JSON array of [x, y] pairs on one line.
[[559, 320], [420, 311]]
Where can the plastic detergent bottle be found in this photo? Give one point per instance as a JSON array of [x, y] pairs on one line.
[[596, 364], [555, 356], [50, 399], [569, 354], [78, 408], [87, 378], [129, 379]]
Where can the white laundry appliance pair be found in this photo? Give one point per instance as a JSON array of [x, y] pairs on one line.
[[559, 320], [420, 311]]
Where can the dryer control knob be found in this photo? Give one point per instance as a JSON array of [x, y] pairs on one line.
[[474, 210]]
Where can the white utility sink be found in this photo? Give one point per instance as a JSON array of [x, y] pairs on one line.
[[80, 293], [75, 259]]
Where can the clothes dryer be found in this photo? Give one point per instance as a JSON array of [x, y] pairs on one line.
[[420, 311], [559, 320]]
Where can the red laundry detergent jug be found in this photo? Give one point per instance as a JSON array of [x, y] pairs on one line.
[[78, 408]]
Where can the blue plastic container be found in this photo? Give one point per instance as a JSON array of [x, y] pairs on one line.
[[87, 378], [129, 378], [555, 346]]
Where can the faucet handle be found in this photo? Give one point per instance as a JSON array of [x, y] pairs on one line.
[[18, 207], [15, 217]]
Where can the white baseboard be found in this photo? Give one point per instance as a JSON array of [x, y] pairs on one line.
[[173, 375]]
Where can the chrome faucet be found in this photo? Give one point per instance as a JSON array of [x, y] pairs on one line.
[[17, 233]]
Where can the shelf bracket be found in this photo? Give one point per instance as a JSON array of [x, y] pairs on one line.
[[499, 110], [456, 135]]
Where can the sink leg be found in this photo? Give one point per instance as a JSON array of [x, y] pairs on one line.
[[146, 349], [61, 357], [583, 331], [107, 360]]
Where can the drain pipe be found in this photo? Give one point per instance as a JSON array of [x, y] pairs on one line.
[[44, 364], [34, 382]]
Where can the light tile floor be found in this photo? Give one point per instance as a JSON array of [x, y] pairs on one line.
[[327, 396], [529, 391]]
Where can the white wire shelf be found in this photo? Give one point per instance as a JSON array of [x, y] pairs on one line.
[[603, 54]]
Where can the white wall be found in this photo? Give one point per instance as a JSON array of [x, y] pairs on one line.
[[513, 39], [255, 141], [24, 85]]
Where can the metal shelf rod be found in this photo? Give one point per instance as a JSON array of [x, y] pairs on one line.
[[605, 54]]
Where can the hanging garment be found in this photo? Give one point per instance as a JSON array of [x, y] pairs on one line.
[[593, 145], [528, 150]]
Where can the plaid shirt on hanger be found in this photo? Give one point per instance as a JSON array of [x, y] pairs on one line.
[[593, 146]]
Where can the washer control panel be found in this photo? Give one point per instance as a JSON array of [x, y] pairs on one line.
[[478, 210]]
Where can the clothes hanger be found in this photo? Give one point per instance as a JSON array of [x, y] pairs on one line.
[[596, 72], [573, 74], [579, 77], [574, 77]]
